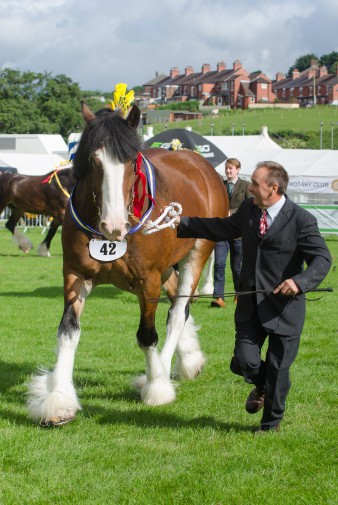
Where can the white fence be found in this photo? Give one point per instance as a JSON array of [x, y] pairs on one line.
[[28, 221]]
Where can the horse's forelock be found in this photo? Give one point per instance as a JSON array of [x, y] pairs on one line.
[[111, 131]]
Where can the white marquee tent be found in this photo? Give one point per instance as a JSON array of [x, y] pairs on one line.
[[32, 154], [313, 173]]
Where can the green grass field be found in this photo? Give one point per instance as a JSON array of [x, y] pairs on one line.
[[200, 450], [277, 120]]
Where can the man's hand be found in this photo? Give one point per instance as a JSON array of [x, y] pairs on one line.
[[287, 288]]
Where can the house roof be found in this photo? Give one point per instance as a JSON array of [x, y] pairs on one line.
[[259, 78], [156, 80], [210, 77], [304, 80], [246, 88]]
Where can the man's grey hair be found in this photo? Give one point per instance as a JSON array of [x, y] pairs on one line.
[[276, 175]]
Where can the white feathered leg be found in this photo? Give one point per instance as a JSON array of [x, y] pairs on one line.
[[208, 278], [182, 335], [52, 399], [51, 395], [23, 242], [155, 387], [43, 250], [190, 359]]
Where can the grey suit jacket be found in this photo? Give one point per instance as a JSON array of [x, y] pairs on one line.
[[240, 193], [292, 239]]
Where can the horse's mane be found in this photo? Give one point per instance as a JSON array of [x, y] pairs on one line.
[[111, 131]]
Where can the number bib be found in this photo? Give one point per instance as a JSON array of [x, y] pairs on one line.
[[103, 250]]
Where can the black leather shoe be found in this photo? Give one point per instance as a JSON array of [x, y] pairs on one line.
[[255, 400], [267, 429]]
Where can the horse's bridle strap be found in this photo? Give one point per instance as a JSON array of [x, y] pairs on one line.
[[152, 187]]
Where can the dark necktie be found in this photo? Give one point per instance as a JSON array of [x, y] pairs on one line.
[[230, 188], [263, 224]]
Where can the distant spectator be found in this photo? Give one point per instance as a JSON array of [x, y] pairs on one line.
[[238, 190]]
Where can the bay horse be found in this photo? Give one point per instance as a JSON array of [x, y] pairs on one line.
[[101, 218], [47, 195]]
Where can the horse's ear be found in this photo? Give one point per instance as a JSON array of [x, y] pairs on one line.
[[133, 118], [87, 114]]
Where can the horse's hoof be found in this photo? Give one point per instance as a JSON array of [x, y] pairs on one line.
[[55, 422], [43, 251], [26, 251]]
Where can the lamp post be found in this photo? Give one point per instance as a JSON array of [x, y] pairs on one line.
[[321, 134], [212, 128], [233, 128], [314, 89], [243, 129]]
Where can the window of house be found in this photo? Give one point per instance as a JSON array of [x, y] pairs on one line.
[[300, 91], [283, 93], [264, 85]]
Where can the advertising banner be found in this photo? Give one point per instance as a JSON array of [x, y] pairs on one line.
[[305, 184]]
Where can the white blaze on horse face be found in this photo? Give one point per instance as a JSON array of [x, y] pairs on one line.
[[114, 215]]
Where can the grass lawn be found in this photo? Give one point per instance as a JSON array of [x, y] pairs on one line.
[[200, 450], [251, 122]]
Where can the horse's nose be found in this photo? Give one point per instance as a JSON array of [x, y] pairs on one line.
[[114, 232]]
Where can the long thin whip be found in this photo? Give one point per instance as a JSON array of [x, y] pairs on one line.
[[234, 293]]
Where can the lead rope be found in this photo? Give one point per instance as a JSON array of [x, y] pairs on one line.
[[169, 215]]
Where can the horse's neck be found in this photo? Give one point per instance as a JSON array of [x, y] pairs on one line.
[[67, 180]]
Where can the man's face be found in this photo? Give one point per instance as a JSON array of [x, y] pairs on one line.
[[263, 193], [231, 171]]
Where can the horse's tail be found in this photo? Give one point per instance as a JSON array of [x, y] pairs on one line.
[[4, 190]]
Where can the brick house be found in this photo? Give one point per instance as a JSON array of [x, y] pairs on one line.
[[312, 86], [150, 87], [233, 88], [257, 89]]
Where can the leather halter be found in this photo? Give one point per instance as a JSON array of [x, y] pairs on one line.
[[150, 178]]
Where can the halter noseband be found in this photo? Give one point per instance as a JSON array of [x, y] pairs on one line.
[[135, 198]]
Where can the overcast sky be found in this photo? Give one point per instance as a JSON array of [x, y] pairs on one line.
[[98, 43]]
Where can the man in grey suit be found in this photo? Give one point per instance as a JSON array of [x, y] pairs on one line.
[[278, 236], [237, 190]]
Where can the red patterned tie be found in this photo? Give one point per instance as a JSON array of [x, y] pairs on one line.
[[263, 224]]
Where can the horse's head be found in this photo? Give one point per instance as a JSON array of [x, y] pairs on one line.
[[106, 156]]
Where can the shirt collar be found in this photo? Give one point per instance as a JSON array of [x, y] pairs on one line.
[[275, 209], [233, 182]]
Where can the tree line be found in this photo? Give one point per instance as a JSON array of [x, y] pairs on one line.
[[42, 103], [330, 61]]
